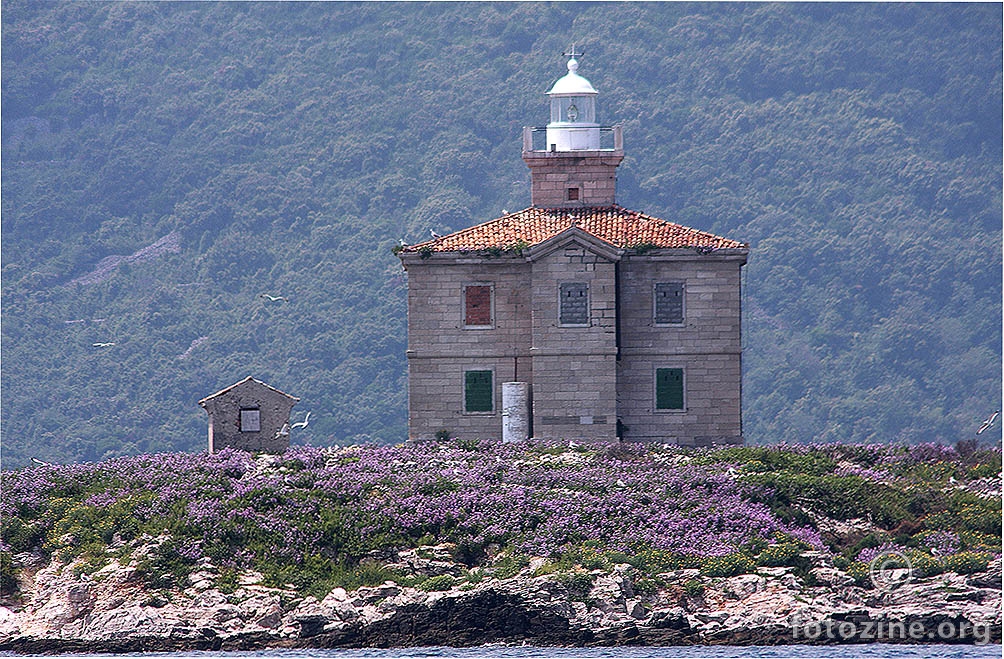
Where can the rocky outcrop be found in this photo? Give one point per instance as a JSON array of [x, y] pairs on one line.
[[63, 610]]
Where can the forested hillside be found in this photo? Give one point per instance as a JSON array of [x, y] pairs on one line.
[[166, 164]]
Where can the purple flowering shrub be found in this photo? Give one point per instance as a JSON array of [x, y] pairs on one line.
[[308, 517]]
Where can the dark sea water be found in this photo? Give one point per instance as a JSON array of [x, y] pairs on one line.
[[870, 651]]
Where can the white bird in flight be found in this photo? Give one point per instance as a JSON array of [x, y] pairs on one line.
[[282, 432], [273, 298], [301, 424], [103, 345], [988, 423]]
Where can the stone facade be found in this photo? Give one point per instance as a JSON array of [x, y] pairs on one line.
[[250, 416], [592, 381]]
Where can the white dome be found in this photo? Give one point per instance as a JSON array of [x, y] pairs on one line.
[[572, 82]]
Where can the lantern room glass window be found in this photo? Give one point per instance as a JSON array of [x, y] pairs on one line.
[[573, 109]]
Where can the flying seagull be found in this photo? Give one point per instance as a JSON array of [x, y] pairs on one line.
[[301, 424], [103, 345], [988, 423], [40, 462], [282, 432], [434, 234], [273, 298]]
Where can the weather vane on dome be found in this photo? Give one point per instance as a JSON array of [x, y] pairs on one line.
[[572, 53]]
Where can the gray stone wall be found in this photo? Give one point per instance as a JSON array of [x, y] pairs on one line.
[[441, 348], [224, 418], [575, 381], [579, 387], [707, 346]]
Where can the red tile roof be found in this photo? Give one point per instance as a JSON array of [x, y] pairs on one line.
[[617, 226]]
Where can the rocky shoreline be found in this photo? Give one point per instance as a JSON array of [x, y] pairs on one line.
[[63, 610]]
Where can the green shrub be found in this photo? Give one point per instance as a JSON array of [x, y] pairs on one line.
[[923, 564], [985, 470], [509, 565], [727, 566], [645, 586], [653, 561], [966, 562], [768, 459], [226, 581], [8, 581], [436, 584], [780, 555], [693, 588], [861, 574], [979, 541], [576, 581]]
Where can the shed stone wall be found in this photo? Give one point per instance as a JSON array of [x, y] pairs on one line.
[[224, 411]]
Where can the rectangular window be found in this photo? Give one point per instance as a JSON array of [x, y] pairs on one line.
[[478, 393], [478, 306], [669, 388], [573, 194], [250, 419], [668, 305], [574, 304]]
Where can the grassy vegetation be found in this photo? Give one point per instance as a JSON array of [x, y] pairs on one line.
[[316, 519]]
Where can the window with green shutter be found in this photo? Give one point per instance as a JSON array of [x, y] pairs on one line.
[[478, 394], [669, 388]]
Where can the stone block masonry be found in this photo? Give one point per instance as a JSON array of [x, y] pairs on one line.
[[585, 376]]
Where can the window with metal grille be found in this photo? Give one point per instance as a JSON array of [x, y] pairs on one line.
[[574, 304], [478, 394], [669, 388], [250, 419], [668, 306], [478, 306]]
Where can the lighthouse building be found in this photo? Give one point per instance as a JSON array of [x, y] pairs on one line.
[[575, 318]]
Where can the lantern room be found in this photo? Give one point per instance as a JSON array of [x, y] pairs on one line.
[[573, 124]]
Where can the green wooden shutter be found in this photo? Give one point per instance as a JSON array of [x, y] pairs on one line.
[[478, 391], [669, 388]]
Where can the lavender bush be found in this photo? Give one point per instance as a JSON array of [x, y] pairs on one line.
[[308, 517]]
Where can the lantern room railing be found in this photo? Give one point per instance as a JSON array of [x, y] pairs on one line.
[[535, 138]]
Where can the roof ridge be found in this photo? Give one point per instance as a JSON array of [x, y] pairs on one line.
[[612, 223]]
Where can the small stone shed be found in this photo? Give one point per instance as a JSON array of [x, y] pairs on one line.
[[249, 415]]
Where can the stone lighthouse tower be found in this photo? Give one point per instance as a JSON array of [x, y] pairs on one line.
[[575, 168], [577, 317]]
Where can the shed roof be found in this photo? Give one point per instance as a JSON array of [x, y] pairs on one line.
[[614, 225], [242, 382]]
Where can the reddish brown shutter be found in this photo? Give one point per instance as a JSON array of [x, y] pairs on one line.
[[478, 305]]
